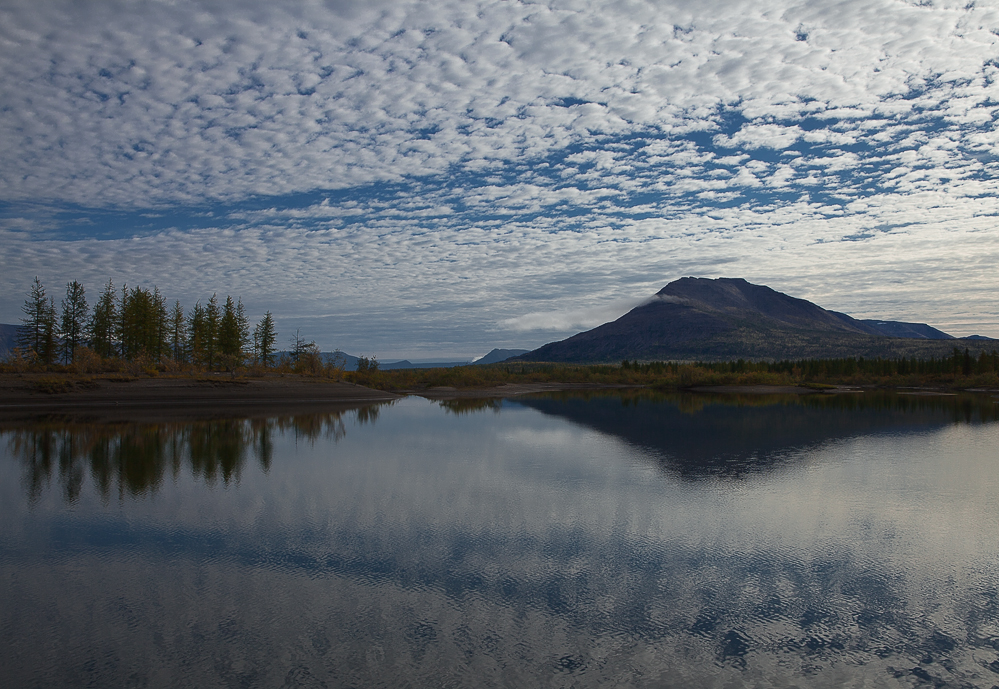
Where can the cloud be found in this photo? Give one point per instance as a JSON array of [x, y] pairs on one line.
[[459, 175], [186, 101], [577, 319]]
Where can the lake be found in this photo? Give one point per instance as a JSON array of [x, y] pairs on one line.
[[568, 540]]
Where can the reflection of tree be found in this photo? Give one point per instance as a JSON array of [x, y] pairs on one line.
[[470, 405], [367, 414], [133, 458]]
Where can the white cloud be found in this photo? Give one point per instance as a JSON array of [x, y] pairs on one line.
[[159, 103], [494, 168]]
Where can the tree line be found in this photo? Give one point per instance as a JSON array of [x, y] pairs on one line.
[[137, 323], [959, 363]]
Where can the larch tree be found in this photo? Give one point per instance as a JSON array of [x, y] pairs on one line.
[[102, 329], [264, 337], [243, 324], [230, 338], [213, 316], [178, 332], [36, 321], [196, 334], [74, 320]]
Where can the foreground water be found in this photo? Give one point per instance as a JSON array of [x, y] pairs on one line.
[[552, 541]]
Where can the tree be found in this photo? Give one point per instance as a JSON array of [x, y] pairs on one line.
[[203, 333], [74, 319], [102, 329], [231, 338], [264, 337], [243, 325], [143, 323], [178, 333], [50, 340], [367, 364], [196, 334], [211, 328], [298, 345], [160, 313], [38, 325]]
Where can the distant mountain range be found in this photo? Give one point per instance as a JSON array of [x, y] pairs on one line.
[[498, 355], [728, 318], [8, 338]]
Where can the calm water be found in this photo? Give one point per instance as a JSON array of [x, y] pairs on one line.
[[555, 541]]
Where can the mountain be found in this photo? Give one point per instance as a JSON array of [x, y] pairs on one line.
[[498, 355], [350, 362], [979, 337], [405, 363], [916, 330], [8, 338], [728, 318]]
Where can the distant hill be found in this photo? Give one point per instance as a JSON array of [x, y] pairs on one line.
[[914, 330], [498, 355], [421, 364], [8, 338], [980, 337], [350, 362], [728, 318]]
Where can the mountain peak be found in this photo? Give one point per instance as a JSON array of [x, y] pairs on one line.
[[727, 318]]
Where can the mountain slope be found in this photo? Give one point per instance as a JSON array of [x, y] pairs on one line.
[[498, 355], [916, 330], [698, 318], [8, 337]]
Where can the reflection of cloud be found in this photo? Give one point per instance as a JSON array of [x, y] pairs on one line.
[[554, 548]]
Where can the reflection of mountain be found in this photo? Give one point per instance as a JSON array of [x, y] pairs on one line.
[[697, 435], [134, 458]]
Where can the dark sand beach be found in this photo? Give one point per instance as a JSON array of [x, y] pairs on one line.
[[31, 396]]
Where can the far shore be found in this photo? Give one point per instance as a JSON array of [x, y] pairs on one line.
[[117, 398]]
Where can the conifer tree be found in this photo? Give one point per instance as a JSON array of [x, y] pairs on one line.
[[264, 337], [243, 325], [74, 320], [162, 345], [211, 331], [178, 333], [196, 333], [102, 329], [229, 336], [35, 323], [50, 340], [143, 326]]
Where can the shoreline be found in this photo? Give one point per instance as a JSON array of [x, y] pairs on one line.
[[176, 399], [25, 397]]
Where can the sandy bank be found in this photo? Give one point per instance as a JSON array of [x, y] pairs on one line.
[[31, 396]]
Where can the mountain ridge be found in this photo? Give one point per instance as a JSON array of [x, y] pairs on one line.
[[726, 318]]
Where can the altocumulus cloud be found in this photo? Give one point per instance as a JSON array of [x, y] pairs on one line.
[[418, 178]]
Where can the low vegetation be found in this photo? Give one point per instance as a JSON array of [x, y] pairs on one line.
[[960, 370]]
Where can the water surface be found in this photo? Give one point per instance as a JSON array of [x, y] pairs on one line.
[[612, 540]]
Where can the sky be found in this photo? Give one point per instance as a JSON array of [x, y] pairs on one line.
[[436, 179]]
